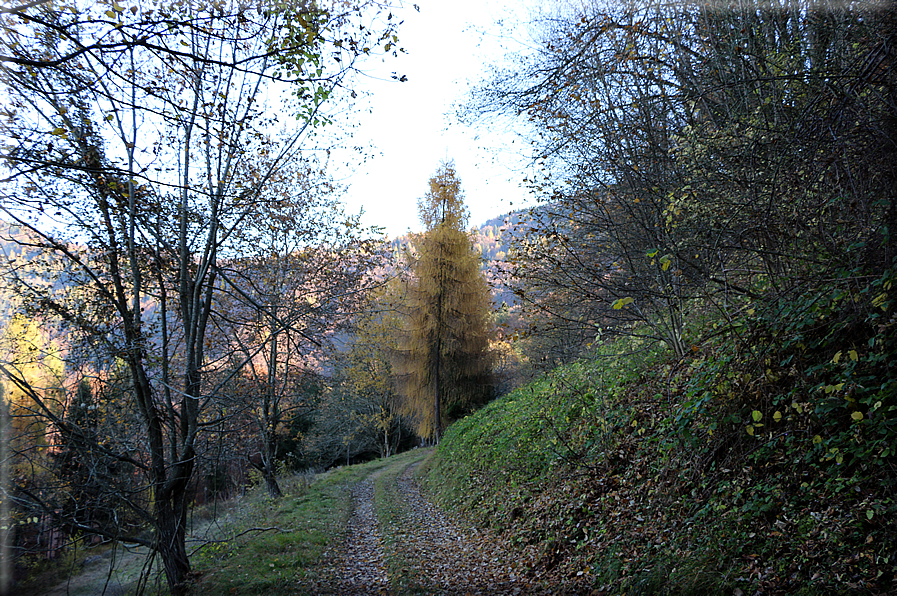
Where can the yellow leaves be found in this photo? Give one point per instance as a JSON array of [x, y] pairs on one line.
[[666, 261], [857, 416], [834, 453], [881, 300], [852, 354], [621, 302], [756, 416]]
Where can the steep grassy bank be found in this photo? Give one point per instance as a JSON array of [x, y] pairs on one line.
[[762, 463]]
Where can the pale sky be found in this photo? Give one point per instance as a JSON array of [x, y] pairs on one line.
[[411, 128]]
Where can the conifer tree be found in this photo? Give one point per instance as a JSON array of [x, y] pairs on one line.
[[444, 365]]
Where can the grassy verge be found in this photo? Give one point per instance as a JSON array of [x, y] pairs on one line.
[[392, 514], [266, 546]]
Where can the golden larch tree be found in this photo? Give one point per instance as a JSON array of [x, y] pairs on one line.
[[443, 363]]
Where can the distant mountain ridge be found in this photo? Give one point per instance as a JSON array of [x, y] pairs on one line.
[[492, 240]]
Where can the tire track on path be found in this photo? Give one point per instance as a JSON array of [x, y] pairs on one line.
[[364, 545], [357, 566], [397, 543], [431, 551]]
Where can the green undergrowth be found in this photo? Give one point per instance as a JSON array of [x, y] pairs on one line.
[[763, 461], [259, 545]]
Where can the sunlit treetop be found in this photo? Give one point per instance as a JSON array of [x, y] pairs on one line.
[[444, 204]]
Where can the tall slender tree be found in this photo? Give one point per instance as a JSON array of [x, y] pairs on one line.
[[444, 364]]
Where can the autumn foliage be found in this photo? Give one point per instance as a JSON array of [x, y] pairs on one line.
[[443, 358]]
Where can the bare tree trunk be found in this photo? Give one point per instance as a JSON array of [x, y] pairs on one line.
[[171, 522], [271, 483], [269, 469], [270, 422]]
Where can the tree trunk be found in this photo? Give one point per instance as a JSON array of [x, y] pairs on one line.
[[271, 483], [437, 401], [269, 466], [171, 525], [437, 404], [269, 472], [270, 422]]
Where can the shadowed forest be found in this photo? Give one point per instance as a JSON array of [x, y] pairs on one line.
[[674, 374]]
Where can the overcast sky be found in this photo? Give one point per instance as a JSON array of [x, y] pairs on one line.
[[411, 127]]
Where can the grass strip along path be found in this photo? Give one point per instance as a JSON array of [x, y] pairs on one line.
[[357, 530]]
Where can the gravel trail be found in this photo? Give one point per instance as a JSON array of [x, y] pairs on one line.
[[417, 548]]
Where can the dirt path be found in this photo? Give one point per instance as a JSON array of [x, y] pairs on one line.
[[448, 556], [398, 542], [363, 547]]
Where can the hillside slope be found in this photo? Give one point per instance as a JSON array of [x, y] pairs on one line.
[[641, 474]]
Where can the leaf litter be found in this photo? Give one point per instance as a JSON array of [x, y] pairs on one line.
[[415, 547]]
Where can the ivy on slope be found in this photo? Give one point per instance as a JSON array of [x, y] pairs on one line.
[[762, 463]]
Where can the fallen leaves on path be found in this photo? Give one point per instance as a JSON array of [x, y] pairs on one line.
[[357, 567], [448, 556], [429, 551]]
